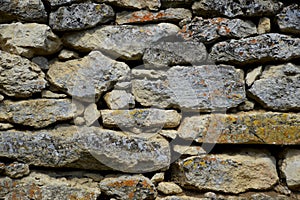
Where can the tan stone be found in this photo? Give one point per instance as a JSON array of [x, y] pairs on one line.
[[67, 55], [119, 99], [290, 168], [158, 177], [91, 114], [169, 188], [253, 75], [264, 25]]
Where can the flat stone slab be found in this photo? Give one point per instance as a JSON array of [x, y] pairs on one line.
[[136, 4]]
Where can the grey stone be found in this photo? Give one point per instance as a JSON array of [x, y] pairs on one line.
[[80, 16], [79, 121], [233, 8], [37, 113], [17, 170], [212, 29], [67, 55], [264, 25], [204, 88], [253, 75], [168, 188], [120, 41], [278, 88], [91, 114], [289, 19], [259, 49], [290, 168], [28, 39], [128, 187], [89, 77], [52, 95], [137, 4], [57, 3], [20, 77], [229, 173], [41, 61], [24, 10], [184, 197], [119, 99], [170, 134]]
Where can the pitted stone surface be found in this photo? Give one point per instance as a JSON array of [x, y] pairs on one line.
[[289, 19], [137, 4]]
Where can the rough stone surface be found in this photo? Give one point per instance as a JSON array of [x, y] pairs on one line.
[[85, 148], [189, 150], [124, 41], [141, 73], [245, 127], [229, 173], [128, 187], [28, 39], [6, 126], [137, 4], [290, 168], [20, 77], [158, 177], [168, 188], [232, 8], [91, 114], [89, 77], [52, 95], [119, 99], [264, 25], [145, 16], [278, 88], [253, 75], [188, 88], [67, 55], [17, 170], [262, 48], [246, 106], [24, 10], [164, 54], [80, 16], [1, 97], [212, 29], [37, 113], [41, 61], [289, 19], [56, 3]]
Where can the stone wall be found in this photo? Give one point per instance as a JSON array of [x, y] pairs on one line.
[[149, 99]]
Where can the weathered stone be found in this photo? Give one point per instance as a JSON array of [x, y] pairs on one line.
[[278, 88], [20, 77], [229, 173], [28, 39], [139, 4], [176, 3], [43, 187], [181, 198], [246, 127], [24, 10], [79, 121], [1, 97], [85, 148], [145, 16], [57, 3], [282, 189], [41, 61], [253, 75], [5, 126], [246, 106], [119, 99], [164, 54], [2, 167], [89, 77], [123, 85], [37, 113], [189, 150], [17, 170], [140, 73], [262, 48], [128, 187], [210, 30], [290, 168], [233, 8], [80, 16], [91, 114], [158, 177], [67, 55], [189, 88], [51, 95], [170, 134], [125, 41], [264, 25], [168, 188], [289, 19], [210, 195]]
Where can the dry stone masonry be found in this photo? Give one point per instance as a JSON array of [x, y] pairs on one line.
[[149, 100]]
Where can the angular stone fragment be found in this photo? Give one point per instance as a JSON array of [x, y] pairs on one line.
[[245, 127], [28, 39], [128, 187], [91, 114], [204, 88], [85, 148], [52, 95], [168, 188], [158, 177], [259, 49], [137, 4], [119, 99], [6, 126], [189, 150], [56, 3], [264, 25], [145, 16], [37, 113], [20, 77], [278, 88], [233, 8], [80, 16], [253, 75], [125, 41], [290, 168], [41, 61], [89, 77], [289, 19], [184, 197], [24, 10], [17, 170], [212, 29], [229, 173], [67, 55]]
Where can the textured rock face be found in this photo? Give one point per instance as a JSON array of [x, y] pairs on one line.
[[119, 99], [20, 77], [290, 168], [91, 114], [24, 10], [28, 39], [55, 3], [169, 188], [140, 4], [80, 16], [187, 88], [232, 8], [227, 173], [89, 77], [210, 30], [289, 19], [278, 88], [17, 170], [37, 113], [144, 16], [127, 41], [250, 127], [128, 187], [262, 48]]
